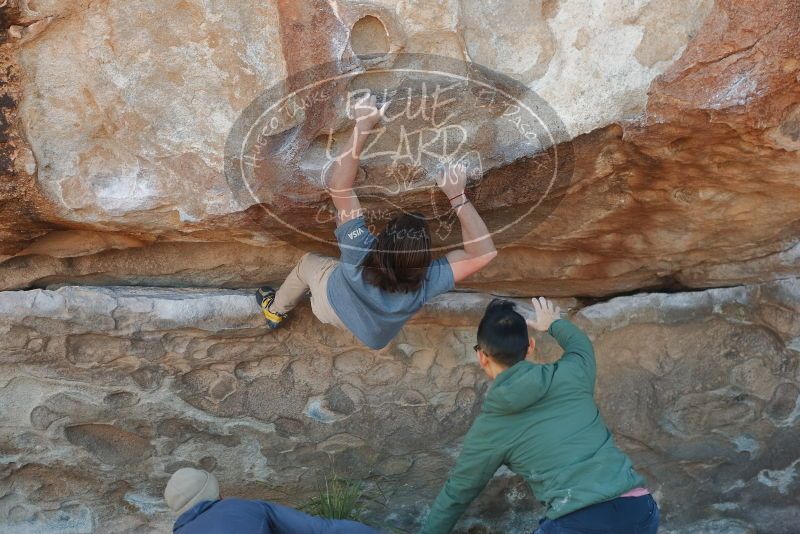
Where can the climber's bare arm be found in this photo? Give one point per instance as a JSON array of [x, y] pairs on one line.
[[342, 173], [479, 248]]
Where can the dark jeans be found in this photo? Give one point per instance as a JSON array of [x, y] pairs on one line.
[[623, 515]]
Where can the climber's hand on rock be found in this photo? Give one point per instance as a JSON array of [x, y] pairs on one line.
[[453, 181], [546, 314], [367, 113]]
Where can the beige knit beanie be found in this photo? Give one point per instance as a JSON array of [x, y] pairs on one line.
[[189, 486]]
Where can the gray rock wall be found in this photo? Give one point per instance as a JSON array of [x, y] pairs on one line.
[[106, 391]]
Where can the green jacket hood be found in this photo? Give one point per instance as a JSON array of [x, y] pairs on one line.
[[518, 387]]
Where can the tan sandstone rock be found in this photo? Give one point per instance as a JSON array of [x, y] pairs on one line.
[[683, 118]]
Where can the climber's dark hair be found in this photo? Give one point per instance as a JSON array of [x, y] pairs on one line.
[[503, 333], [399, 261]]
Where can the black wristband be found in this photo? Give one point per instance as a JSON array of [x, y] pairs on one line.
[[459, 205], [464, 194]]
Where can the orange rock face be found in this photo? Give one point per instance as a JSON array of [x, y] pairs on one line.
[[695, 185]]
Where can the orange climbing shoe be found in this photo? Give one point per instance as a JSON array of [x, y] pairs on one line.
[[265, 296]]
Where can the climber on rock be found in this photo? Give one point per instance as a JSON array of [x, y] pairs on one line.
[[543, 423], [193, 495], [379, 282]]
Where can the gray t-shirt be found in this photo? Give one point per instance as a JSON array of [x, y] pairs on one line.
[[373, 315]]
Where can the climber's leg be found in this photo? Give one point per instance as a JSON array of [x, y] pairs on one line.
[[275, 305], [296, 285], [320, 304], [310, 274], [264, 297]]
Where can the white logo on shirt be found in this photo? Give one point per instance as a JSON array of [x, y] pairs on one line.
[[355, 233]]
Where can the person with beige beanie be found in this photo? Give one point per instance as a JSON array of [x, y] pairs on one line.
[[194, 496]]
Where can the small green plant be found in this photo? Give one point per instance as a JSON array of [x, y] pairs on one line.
[[338, 499]]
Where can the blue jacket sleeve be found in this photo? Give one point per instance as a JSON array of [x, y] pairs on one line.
[[283, 519]]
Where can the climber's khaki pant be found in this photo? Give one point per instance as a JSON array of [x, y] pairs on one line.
[[310, 274]]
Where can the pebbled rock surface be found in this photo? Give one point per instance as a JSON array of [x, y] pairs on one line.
[[106, 391], [683, 118]]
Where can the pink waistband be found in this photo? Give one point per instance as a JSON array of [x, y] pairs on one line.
[[636, 492]]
